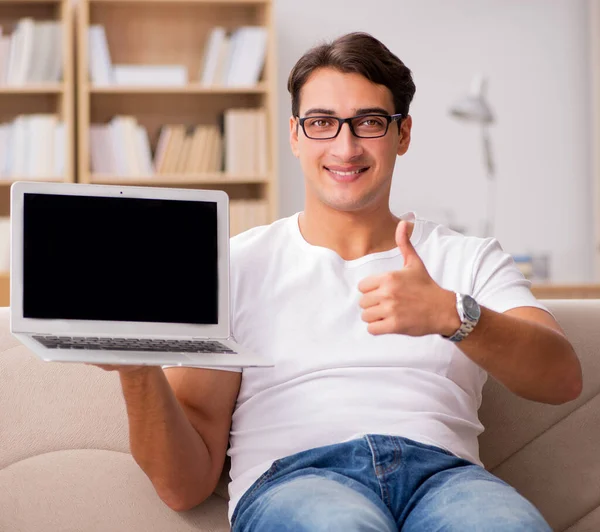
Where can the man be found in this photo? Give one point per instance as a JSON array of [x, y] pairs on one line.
[[383, 331]]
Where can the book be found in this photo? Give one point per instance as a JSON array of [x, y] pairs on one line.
[[100, 64], [212, 55], [160, 75], [247, 56]]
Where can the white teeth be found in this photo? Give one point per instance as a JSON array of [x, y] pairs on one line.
[[346, 173]]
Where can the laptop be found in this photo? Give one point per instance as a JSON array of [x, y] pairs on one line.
[[123, 275]]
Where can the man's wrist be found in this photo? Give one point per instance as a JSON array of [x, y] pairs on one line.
[[135, 375], [449, 321]]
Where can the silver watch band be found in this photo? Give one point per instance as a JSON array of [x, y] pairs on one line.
[[466, 326]]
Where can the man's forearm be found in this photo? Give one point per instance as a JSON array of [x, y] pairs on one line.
[[163, 441], [532, 360]]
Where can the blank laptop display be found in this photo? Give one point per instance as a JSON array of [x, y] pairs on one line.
[[120, 259]]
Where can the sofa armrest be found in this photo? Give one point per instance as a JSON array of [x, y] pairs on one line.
[[550, 453]]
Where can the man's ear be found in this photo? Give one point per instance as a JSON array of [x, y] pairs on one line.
[[294, 136], [404, 135]]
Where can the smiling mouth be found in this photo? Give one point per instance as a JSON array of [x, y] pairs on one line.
[[347, 174]]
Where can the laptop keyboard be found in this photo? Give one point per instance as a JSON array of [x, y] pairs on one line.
[[133, 344]]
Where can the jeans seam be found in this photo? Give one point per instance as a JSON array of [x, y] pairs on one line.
[[382, 488], [396, 458]]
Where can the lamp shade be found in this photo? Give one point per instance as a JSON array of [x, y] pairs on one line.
[[474, 107]]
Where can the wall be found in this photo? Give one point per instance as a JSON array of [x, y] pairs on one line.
[[536, 56]]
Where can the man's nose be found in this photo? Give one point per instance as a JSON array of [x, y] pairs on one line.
[[346, 145]]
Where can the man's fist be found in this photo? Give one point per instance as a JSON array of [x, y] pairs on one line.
[[407, 301]]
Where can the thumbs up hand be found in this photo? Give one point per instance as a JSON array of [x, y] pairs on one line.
[[407, 301]]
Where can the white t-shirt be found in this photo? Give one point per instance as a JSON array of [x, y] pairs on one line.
[[333, 381]]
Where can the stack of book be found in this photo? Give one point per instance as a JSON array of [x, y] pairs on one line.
[[189, 150], [102, 72], [32, 53], [237, 147], [121, 148], [245, 133], [32, 146], [247, 213], [234, 60]]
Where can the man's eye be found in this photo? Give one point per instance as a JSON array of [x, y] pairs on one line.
[[321, 122], [371, 122]]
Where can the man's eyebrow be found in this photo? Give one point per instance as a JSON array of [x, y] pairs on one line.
[[372, 110], [361, 111], [320, 111]]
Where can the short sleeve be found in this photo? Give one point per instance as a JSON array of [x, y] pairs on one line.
[[497, 282]]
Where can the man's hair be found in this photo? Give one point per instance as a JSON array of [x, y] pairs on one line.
[[358, 53]]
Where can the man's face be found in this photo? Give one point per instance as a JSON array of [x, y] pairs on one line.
[[347, 173]]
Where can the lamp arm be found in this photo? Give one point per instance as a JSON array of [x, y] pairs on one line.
[[487, 152], [489, 228]]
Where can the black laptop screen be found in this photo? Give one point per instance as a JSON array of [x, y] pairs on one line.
[[120, 259]]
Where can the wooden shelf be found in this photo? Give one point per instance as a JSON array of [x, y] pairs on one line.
[[190, 88], [174, 180], [7, 182], [573, 291], [16, 2], [41, 88], [4, 289]]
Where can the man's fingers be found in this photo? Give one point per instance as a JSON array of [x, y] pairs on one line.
[[123, 368], [369, 283], [105, 367], [406, 248], [370, 299], [374, 313], [385, 326]]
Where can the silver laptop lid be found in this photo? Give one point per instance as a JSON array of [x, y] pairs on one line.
[[129, 261]]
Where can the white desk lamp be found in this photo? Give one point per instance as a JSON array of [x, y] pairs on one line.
[[474, 108]]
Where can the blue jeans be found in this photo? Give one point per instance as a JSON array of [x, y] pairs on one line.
[[382, 484]]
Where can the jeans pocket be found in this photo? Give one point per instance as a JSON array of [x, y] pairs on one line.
[[258, 483]]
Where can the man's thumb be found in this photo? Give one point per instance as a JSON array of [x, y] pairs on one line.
[[403, 241]]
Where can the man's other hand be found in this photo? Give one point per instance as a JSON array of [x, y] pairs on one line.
[[122, 368], [407, 301]]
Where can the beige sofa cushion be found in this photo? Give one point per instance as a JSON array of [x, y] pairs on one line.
[[64, 454], [93, 491]]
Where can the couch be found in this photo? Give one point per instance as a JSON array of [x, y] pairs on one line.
[[65, 466]]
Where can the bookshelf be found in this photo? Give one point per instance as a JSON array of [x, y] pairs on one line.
[[167, 32], [39, 97], [30, 97], [190, 88]]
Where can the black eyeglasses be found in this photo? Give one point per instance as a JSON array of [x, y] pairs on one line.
[[370, 126]]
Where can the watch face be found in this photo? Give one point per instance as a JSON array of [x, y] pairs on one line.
[[471, 308]]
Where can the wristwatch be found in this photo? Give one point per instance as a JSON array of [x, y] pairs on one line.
[[469, 313]]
